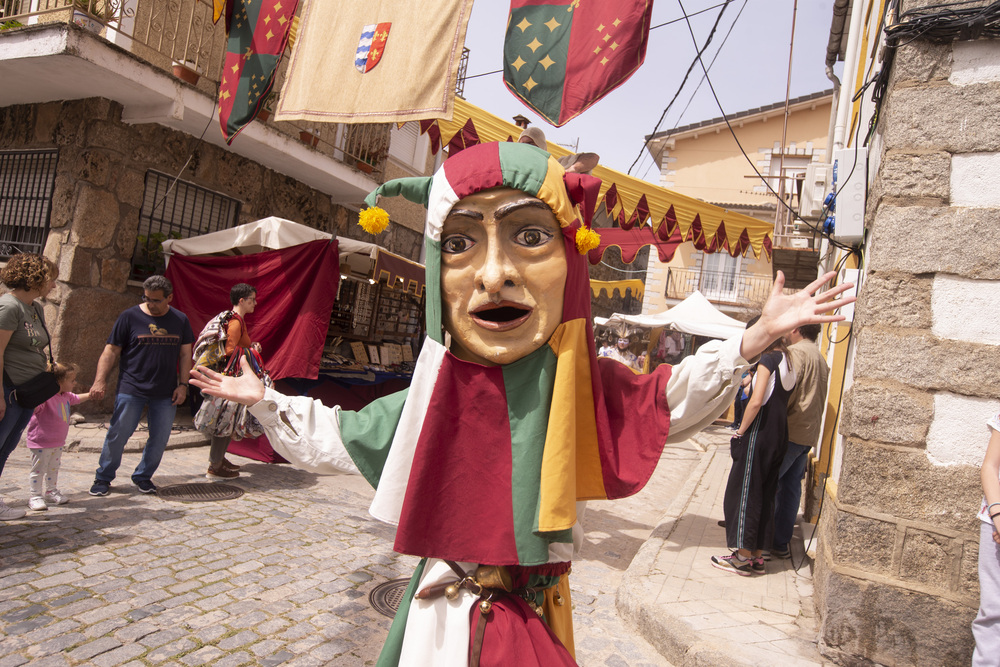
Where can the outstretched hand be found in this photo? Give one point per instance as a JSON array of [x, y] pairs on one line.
[[784, 312], [246, 389]]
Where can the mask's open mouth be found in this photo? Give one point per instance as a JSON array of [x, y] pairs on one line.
[[502, 316]]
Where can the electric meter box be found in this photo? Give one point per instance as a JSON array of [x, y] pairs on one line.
[[850, 182]]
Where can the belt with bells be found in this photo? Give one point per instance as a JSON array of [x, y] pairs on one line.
[[486, 582]]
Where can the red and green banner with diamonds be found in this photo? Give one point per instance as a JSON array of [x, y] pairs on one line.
[[258, 33], [561, 57]]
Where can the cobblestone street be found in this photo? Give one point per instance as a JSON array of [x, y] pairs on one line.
[[280, 575]]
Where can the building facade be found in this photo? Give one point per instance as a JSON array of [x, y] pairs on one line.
[[705, 160], [105, 153]]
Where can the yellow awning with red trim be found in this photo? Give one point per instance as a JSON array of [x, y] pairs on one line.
[[628, 200]]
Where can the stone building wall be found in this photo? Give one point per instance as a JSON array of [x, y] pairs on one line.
[[896, 574], [98, 194]]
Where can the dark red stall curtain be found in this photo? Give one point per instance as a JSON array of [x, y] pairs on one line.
[[296, 289]]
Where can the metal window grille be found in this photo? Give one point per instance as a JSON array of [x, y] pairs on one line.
[[176, 210], [27, 181]]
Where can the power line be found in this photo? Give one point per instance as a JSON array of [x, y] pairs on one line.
[[718, 52], [732, 132], [697, 59]]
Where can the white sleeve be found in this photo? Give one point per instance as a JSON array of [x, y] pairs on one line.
[[703, 386], [304, 431]]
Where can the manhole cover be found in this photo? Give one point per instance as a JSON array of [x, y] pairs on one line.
[[203, 492], [385, 598]]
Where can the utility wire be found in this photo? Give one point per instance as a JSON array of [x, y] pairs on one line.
[[725, 117], [697, 59], [656, 160]]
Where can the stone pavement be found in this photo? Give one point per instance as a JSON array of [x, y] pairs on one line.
[[282, 574], [695, 614]]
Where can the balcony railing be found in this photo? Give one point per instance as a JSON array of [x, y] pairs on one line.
[[739, 289], [180, 32]]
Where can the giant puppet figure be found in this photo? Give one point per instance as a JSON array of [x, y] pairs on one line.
[[511, 420]]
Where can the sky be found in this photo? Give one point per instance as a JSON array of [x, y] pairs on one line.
[[750, 70]]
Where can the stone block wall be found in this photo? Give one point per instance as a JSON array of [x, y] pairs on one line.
[[896, 575], [98, 194]]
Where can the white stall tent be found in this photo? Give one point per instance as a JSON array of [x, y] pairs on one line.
[[694, 315], [270, 233]]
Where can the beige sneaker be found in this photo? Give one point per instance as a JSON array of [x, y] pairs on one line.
[[53, 497], [10, 513]]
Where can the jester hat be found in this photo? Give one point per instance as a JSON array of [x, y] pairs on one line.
[[487, 463]]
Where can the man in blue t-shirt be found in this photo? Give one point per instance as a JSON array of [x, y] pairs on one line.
[[152, 344]]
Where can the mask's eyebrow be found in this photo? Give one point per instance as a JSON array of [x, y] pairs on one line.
[[529, 202], [466, 213]]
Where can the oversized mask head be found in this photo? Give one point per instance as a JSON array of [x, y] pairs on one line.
[[504, 239]]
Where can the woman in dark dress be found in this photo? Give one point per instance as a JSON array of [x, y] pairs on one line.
[[757, 450]]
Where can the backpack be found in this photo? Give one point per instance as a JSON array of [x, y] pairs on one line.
[[210, 346]]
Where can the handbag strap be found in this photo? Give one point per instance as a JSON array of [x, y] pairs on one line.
[[48, 338]]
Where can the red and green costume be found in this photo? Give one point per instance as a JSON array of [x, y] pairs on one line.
[[485, 465]]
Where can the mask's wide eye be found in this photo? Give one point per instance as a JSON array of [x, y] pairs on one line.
[[455, 243], [533, 237]]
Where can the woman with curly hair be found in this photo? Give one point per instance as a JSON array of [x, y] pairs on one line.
[[23, 338]]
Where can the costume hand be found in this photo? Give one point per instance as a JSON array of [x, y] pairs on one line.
[[255, 346], [246, 389], [784, 312]]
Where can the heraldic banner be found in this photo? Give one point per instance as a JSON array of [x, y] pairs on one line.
[[258, 33], [562, 56], [375, 61]]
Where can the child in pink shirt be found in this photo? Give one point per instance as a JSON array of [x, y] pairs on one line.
[[47, 433]]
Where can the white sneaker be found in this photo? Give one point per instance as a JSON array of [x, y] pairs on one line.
[[10, 513], [53, 497], [37, 504]]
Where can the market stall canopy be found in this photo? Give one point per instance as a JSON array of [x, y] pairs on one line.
[[694, 315], [673, 218], [270, 233], [612, 288], [274, 233]]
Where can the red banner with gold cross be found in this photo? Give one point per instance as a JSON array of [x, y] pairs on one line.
[[562, 56]]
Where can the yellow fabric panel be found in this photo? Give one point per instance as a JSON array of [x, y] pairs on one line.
[[558, 610], [609, 287], [553, 193], [571, 450], [630, 190]]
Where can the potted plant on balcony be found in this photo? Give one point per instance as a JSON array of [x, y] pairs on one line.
[[372, 156], [93, 15], [309, 137], [187, 71], [267, 108]]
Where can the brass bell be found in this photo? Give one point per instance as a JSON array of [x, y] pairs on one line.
[[558, 599], [452, 591], [485, 606]]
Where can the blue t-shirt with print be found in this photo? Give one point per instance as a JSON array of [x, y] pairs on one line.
[[151, 349]]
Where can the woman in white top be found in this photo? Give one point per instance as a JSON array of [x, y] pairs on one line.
[[986, 627]]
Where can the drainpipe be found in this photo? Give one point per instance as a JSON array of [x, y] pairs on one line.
[[840, 11], [851, 64]]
